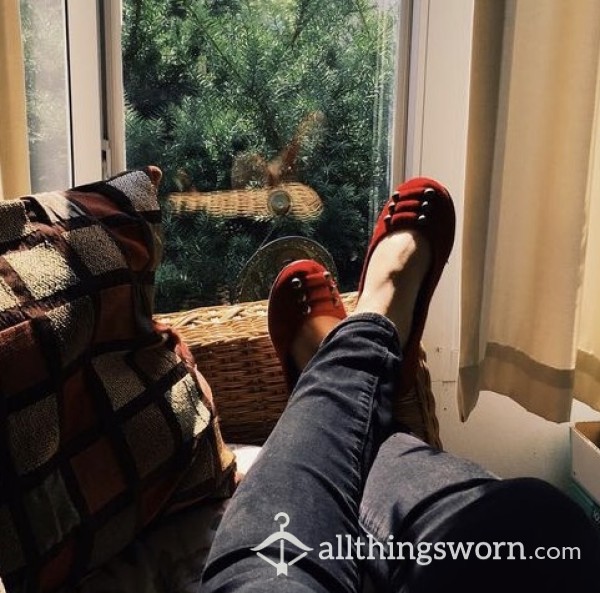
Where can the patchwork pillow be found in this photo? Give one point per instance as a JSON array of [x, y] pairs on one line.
[[105, 422]]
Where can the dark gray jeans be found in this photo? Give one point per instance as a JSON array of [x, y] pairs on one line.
[[362, 499]]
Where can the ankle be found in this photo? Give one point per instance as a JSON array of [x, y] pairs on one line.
[[394, 276]]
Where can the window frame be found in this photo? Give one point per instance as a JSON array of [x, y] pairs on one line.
[[437, 135], [83, 60], [111, 69]]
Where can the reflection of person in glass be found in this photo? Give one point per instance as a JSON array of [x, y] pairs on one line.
[[250, 169], [354, 452]]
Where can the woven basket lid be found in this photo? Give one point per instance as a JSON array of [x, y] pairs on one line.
[[292, 199]]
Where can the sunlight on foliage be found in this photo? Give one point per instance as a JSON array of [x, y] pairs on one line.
[[214, 84]]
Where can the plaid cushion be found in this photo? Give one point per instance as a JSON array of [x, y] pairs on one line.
[[105, 421]]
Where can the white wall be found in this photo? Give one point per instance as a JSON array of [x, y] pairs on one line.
[[507, 439], [500, 435]]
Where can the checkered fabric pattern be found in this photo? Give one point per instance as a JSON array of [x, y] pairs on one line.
[[105, 422]]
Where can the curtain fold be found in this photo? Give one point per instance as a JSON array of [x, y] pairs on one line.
[[587, 364], [14, 149], [529, 314]]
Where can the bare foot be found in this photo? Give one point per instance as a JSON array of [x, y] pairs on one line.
[[393, 279], [394, 275], [309, 338]]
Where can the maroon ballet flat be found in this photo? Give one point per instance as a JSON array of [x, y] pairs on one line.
[[304, 289], [423, 205]]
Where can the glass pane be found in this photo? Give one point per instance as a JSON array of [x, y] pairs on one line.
[[44, 38], [271, 122]]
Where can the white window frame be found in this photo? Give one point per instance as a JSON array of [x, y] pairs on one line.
[[94, 89], [82, 93], [112, 63], [438, 106], [84, 90]]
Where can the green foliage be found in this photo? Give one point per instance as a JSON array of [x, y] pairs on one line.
[[208, 80]]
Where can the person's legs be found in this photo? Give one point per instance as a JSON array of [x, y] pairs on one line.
[[313, 467], [419, 503], [315, 462]]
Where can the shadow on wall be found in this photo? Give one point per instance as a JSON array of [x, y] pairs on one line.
[[508, 440]]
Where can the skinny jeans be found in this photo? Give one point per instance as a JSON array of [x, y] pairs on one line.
[[362, 504]]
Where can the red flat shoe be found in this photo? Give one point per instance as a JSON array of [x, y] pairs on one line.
[[304, 289], [423, 205]]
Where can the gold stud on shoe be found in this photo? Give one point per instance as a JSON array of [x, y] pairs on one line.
[[422, 219], [391, 208], [306, 310], [296, 283], [396, 197], [388, 220], [327, 275]]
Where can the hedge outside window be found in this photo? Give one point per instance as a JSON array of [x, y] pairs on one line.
[[239, 96]]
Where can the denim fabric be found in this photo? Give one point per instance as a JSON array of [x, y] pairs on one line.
[[337, 469], [313, 465], [423, 496]]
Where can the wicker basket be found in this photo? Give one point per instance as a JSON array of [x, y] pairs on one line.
[[232, 348]]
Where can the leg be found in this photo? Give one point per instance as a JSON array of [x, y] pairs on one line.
[[422, 496], [313, 466]]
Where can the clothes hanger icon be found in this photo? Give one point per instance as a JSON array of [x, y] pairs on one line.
[[281, 536]]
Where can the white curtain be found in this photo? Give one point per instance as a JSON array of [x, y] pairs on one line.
[[14, 150], [530, 325]]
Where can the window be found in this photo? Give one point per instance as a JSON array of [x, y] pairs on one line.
[[202, 248], [272, 122], [61, 47], [45, 47]]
